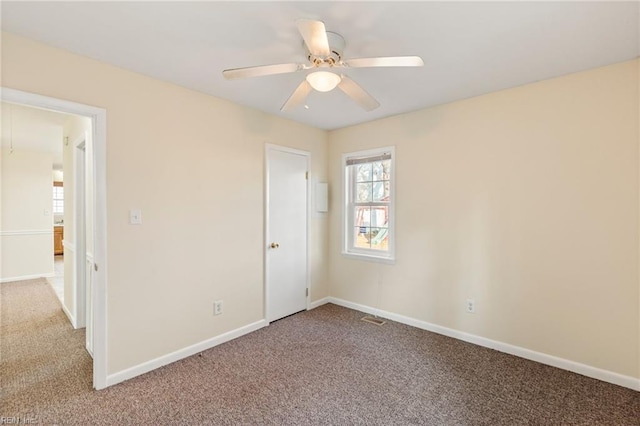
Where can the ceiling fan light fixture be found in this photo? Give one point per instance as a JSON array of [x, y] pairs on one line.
[[323, 81]]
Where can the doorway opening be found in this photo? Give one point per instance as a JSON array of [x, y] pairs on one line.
[[81, 214]]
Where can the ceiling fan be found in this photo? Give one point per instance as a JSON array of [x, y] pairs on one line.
[[324, 52]]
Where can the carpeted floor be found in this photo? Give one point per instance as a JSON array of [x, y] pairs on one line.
[[324, 366]]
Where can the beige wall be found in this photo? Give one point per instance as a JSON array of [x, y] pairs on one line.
[[26, 230], [525, 200], [194, 164]]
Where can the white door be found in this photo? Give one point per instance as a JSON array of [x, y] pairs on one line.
[[286, 244], [83, 275]]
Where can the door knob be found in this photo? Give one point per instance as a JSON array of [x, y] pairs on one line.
[[275, 245]]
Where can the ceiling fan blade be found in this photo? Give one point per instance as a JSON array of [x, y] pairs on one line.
[[315, 36], [358, 94], [298, 96], [390, 61], [259, 71]]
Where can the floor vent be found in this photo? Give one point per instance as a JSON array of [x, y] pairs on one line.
[[372, 320]]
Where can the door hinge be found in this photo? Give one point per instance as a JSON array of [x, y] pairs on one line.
[[306, 175], [307, 292]]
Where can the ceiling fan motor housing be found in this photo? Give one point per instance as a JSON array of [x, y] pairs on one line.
[[336, 47]]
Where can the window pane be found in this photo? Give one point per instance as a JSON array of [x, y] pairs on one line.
[[378, 171], [363, 192], [386, 167], [362, 237], [58, 200], [58, 193], [379, 216], [378, 191], [363, 172], [362, 216], [58, 206], [381, 191], [381, 170], [379, 238]]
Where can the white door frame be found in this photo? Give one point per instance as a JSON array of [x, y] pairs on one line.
[[98, 118], [270, 147], [80, 231]]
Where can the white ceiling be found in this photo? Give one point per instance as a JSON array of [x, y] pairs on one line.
[[469, 48], [33, 129]]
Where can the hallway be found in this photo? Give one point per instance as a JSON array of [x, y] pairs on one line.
[[44, 360], [57, 281]]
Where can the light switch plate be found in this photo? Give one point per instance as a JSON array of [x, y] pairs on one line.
[[135, 217]]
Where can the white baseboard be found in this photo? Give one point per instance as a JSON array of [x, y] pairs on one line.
[[26, 277], [565, 364], [319, 302], [72, 319], [145, 367]]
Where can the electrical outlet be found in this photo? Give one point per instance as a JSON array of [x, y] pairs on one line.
[[471, 306], [217, 307]]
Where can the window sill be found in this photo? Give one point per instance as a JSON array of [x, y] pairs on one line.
[[369, 258]]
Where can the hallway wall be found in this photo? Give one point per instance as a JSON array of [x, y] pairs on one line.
[[26, 222]]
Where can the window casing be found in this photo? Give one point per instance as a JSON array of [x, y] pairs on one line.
[[368, 208]]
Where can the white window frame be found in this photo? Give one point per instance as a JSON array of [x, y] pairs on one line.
[[348, 188]]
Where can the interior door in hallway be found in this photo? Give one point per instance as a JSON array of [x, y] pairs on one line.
[[286, 234]]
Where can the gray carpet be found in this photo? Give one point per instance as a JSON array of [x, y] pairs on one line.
[[319, 367]]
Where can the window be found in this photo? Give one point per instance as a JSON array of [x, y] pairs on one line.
[[58, 198], [369, 204]]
